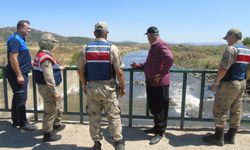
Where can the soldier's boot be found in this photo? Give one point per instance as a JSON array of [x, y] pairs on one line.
[[51, 136], [97, 146], [230, 136], [119, 145], [215, 139], [59, 127]]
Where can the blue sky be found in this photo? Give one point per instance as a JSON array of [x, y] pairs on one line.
[[178, 20]]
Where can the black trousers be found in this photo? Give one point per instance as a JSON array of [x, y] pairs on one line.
[[158, 101], [18, 108]]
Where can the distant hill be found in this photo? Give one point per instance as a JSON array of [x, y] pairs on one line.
[[204, 44], [36, 34]]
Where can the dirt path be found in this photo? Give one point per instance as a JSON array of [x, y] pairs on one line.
[[76, 137]]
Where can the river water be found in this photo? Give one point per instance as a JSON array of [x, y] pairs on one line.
[[192, 95], [139, 93]]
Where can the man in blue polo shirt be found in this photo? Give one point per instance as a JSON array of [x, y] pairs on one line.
[[18, 67]]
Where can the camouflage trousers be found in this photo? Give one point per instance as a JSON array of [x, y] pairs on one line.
[[101, 95], [229, 97], [53, 110]]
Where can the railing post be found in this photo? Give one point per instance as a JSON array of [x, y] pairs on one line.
[[65, 96], [81, 102], [34, 97], [183, 103], [131, 76], [5, 93], [203, 77]]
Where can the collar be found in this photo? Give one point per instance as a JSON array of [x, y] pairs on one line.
[[18, 34], [45, 51], [238, 42], [157, 41], [100, 39]]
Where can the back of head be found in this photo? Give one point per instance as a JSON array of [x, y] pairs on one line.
[[101, 29], [47, 41]]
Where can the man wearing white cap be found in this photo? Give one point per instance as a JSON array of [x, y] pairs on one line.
[[99, 65]]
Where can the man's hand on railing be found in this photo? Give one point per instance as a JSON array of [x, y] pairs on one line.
[[63, 67], [135, 65]]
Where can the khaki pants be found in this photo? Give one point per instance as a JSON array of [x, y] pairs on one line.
[[229, 97], [53, 110], [103, 96]]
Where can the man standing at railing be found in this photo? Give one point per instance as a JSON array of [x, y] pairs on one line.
[[47, 75], [156, 69], [229, 84], [98, 66], [18, 67]]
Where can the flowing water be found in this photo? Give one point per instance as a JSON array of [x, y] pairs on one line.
[[139, 93], [192, 95]]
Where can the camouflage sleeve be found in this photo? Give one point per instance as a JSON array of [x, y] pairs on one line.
[[82, 59], [49, 76], [228, 57], [115, 58]]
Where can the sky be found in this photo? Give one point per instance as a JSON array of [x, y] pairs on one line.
[[179, 21]]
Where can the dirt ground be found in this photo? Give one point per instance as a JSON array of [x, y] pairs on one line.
[[76, 137]]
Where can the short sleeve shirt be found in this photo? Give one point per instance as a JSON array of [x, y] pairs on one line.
[[17, 44], [228, 57]]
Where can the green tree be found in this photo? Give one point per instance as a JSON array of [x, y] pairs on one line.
[[246, 41]]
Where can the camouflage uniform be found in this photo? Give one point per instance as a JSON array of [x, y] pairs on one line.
[[102, 95], [228, 95], [53, 110], [229, 84]]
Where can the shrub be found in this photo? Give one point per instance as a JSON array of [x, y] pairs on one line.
[[246, 41], [74, 58]]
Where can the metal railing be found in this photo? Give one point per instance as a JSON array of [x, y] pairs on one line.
[[130, 114]]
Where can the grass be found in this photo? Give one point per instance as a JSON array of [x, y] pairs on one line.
[[199, 57]]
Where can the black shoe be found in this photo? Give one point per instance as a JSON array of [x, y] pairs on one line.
[[215, 139], [211, 139], [151, 130], [229, 137], [155, 139], [29, 127], [57, 128], [50, 136], [97, 146], [119, 145], [14, 125]]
